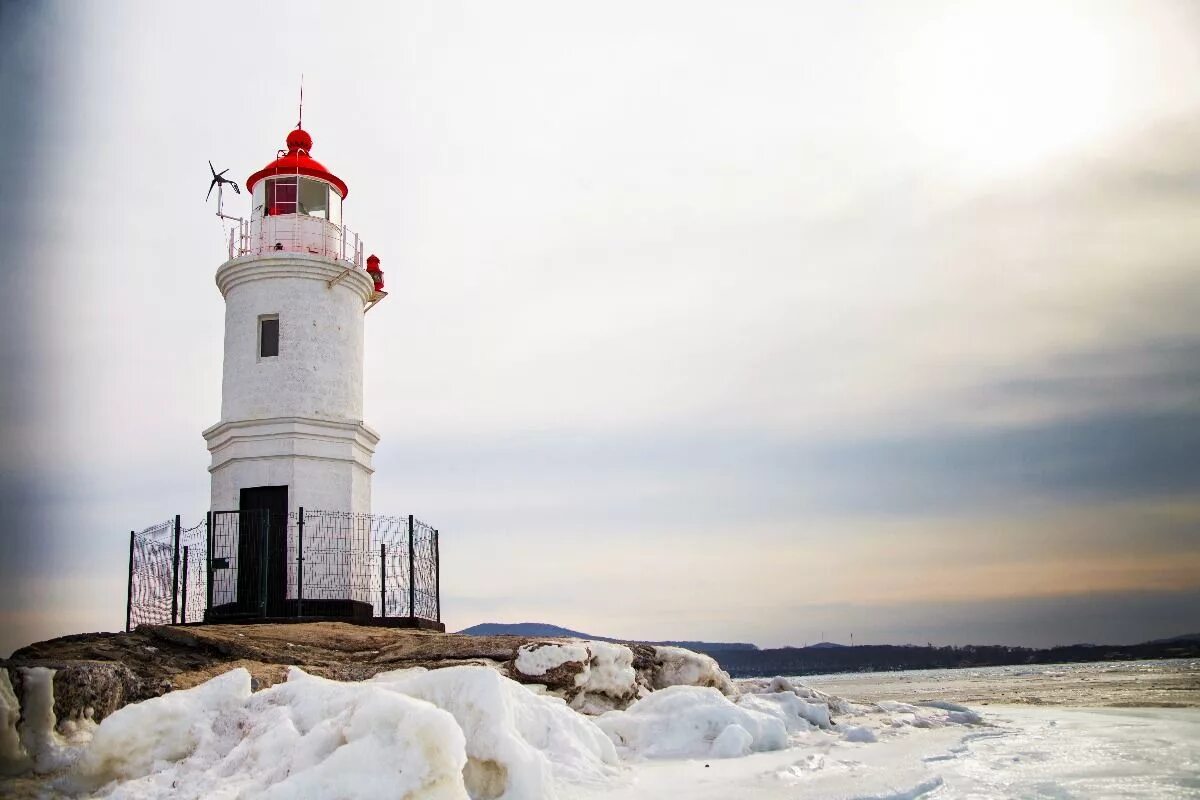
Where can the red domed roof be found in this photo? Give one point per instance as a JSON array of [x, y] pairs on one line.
[[297, 160]]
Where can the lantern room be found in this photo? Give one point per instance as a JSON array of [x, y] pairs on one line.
[[296, 206], [296, 183]]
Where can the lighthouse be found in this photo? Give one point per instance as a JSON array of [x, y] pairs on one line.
[[296, 289], [290, 534]]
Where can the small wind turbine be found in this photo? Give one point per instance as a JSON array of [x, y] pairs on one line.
[[219, 180]]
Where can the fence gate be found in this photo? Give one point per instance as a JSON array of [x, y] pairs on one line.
[[238, 561]]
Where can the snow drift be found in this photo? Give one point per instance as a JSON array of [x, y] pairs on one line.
[[306, 738], [451, 733], [518, 743], [691, 722]]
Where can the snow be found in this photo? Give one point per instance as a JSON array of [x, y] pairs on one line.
[[459, 732], [610, 670], [519, 743], [691, 722], [682, 667], [305, 738], [777, 685], [794, 713], [165, 729], [604, 674], [858, 733], [540, 658], [470, 732], [733, 742]]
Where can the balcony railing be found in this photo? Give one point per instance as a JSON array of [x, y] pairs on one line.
[[295, 233]]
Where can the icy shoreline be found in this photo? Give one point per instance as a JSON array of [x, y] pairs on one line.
[[457, 732], [607, 721]]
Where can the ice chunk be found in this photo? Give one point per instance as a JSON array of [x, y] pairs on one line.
[[593, 676], [518, 742], [610, 670], [956, 713], [131, 741], [733, 742], [306, 738], [541, 657], [945, 705], [795, 713], [686, 722], [857, 733], [680, 667], [40, 738], [778, 684], [931, 713], [13, 757]]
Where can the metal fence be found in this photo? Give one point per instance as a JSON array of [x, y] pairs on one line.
[[329, 564]]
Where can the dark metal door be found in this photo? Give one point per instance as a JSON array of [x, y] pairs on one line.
[[237, 567], [267, 553]]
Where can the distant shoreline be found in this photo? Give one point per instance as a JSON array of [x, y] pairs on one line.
[[890, 658], [1163, 683]]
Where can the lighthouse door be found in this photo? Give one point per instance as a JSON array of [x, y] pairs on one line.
[[263, 576]]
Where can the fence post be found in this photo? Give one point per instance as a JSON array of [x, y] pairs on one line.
[[208, 565], [382, 579], [129, 594], [437, 574], [300, 563], [183, 601], [175, 575], [412, 577]]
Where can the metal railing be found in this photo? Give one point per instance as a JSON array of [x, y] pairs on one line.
[[294, 233], [331, 564]]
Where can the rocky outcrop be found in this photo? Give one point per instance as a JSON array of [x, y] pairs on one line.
[[86, 689], [95, 674]]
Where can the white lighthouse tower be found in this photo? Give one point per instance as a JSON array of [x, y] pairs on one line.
[[296, 289], [290, 534]]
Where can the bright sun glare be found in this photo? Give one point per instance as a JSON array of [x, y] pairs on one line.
[[999, 91]]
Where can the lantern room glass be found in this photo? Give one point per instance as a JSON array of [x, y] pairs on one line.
[[335, 207], [259, 198], [314, 198], [281, 196], [291, 194]]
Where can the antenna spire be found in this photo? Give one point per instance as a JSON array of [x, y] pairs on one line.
[[300, 124]]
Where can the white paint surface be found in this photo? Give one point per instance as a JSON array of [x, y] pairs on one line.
[[294, 419]]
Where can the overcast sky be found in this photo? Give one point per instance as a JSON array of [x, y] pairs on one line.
[[744, 321]]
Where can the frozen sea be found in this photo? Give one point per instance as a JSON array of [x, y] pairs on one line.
[[1132, 684], [1100, 730]]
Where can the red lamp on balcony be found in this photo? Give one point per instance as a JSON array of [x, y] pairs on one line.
[[375, 272]]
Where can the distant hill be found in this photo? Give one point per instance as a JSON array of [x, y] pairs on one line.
[[523, 629], [826, 645], [1187, 637], [545, 629]]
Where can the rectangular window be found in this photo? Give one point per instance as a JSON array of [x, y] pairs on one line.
[[335, 207], [268, 336], [281, 196], [314, 198]]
